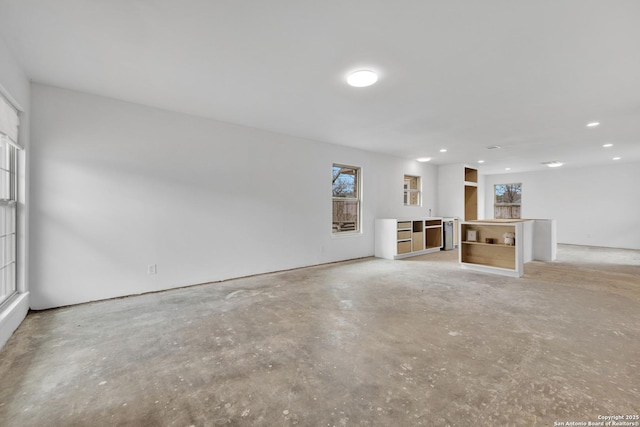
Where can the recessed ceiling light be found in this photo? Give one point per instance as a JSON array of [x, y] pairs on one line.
[[362, 78], [423, 159], [607, 145], [507, 169], [593, 124], [480, 161], [554, 164], [616, 158], [493, 147], [443, 150]]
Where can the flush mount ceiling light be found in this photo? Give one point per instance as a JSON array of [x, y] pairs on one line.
[[443, 150], [493, 147], [616, 158], [593, 124], [480, 161], [554, 164], [423, 159], [607, 145], [507, 169], [362, 78]]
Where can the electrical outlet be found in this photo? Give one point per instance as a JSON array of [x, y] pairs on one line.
[[153, 269]]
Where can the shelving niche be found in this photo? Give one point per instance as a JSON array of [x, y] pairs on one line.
[[495, 254], [495, 257], [470, 175], [470, 194]]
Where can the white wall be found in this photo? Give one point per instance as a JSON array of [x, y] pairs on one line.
[[14, 84], [451, 190], [117, 187], [598, 206]]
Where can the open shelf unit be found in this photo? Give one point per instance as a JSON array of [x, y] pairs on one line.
[[400, 238], [495, 257]]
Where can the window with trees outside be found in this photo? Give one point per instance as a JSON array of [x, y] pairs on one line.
[[508, 198], [411, 190], [346, 198]]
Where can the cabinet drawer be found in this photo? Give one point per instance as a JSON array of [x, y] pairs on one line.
[[404, 224], [403, 235], [404, 247]]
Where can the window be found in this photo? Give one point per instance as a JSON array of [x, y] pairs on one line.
[[508, 198], [346, 198], [412, 190], [8, 198]]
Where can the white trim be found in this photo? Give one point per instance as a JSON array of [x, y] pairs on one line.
[[9, 141], [492, 270], [12, 315], [11, 100]]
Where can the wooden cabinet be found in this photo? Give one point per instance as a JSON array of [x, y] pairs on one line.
[[470, 194], [433, 233], [456, 232], [400, 238], [417, 236], [404, 241]]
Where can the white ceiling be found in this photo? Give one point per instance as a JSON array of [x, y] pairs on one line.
[[460, 75]]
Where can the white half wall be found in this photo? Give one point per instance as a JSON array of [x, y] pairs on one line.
[[14, 84], [596, 206], [117, 187]]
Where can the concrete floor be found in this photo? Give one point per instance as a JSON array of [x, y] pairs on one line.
[[367, 342]]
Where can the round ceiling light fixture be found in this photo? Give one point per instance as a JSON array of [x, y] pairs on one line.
[[423, 159], [362, 78], [553, 164]]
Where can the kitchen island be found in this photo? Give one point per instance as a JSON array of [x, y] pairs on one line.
[[503, 246]]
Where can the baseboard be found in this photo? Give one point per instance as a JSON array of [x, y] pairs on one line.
[[12, 315]]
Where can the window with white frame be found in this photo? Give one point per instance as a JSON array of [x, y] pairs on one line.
[[508, 198], [412, 192], [8, 198], [346, 198]]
